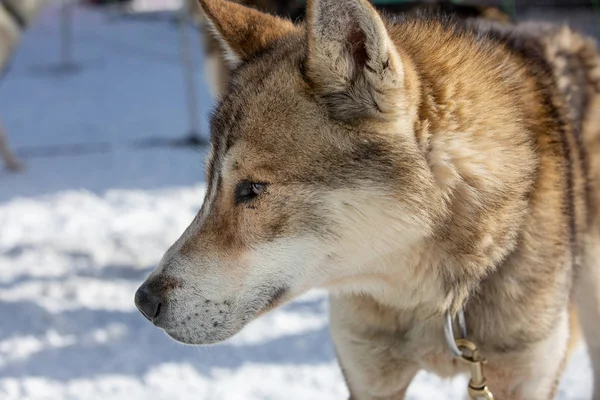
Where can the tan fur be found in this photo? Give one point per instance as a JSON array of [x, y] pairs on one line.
[[413, 168], [220, 59], [217, 70]]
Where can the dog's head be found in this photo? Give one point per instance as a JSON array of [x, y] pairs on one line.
[[314, 171]]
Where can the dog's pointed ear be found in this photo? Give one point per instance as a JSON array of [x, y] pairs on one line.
[[352, 61], [243, 31]]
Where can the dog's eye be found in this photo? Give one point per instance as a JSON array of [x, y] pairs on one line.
[[246, 191]]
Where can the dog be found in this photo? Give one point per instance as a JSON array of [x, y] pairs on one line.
[[15, 17], [217, 73], [417, 168]]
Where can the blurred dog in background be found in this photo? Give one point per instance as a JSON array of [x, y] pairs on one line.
[[15, 17], [217, 72]]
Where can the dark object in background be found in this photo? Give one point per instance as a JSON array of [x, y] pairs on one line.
[[106, 2], [295, 9]]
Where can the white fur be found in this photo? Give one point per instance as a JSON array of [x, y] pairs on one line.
[[294, 263], [544, 374], [380, 250], [587, 297]]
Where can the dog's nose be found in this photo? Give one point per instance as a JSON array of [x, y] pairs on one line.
[[148, 302]]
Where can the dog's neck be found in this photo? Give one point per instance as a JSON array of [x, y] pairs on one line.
[[482, 216], [469, 146]]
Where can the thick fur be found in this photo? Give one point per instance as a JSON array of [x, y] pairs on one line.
[[218, 71], [413, 167], [10, 36]]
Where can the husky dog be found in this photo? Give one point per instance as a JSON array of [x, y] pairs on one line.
[[414, 167], [15, 16], [217, 73]]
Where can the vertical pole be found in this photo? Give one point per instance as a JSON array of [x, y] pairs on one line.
[[187, 63], [510, 6], [66, 36], [596, 4]]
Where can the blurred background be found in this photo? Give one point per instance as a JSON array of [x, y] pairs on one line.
[[104, 107]]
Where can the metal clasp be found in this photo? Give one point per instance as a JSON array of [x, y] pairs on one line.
[[468, 353]]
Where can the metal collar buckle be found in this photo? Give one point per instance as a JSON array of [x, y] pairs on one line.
[[468, 353]]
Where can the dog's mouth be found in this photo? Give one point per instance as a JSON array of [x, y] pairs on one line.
[[276, 298], [208, 322]]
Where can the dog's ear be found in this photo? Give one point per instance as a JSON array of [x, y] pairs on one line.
[[243, 31], [352, 61]]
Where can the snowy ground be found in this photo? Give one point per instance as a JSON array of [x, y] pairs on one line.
[[79, 233]]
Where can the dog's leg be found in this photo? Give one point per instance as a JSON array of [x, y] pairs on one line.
[[375, 378], [587, 297], [533, 373], [10, 160], [370, 369]]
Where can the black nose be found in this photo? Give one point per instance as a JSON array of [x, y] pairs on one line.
[[148, 302]]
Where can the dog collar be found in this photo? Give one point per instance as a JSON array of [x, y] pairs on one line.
[[14, 14]]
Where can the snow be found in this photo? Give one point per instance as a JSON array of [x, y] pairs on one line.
[[79, 233]]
